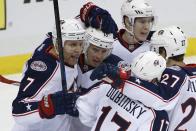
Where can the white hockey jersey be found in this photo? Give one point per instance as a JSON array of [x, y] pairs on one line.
[[183, 116], [128, 52], [160, 96], [41, 77], [107, 109]]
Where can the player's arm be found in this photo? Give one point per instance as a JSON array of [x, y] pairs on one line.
[[114, 60], [33, 103], [98, 18], [160, 96], [36, 77], [158, 122]]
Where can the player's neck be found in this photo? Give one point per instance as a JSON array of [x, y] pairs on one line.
[[171, 62], [127, 37]]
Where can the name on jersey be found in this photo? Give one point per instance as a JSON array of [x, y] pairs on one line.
[[192, 85], [126, 103]]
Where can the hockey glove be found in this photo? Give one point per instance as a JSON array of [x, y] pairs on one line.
[[58, 104], [114, 73], [98, 18]]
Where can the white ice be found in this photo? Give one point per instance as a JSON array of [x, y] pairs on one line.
[[7, 94]]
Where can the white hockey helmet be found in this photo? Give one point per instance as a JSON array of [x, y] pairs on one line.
[[71, 29], [148, 65], [134, 9], [172, 39], [99, 39]]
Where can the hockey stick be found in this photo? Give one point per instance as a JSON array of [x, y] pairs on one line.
[[60, 48], [8, 81]]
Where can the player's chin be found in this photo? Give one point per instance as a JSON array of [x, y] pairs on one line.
[[73, 61], [142, 37], [96, 64]]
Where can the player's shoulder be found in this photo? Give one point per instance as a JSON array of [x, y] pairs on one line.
[[190, 69], [40, 66], [47, 44], [113, 59], [38, 72], [174, 76], [41, 59], [175, 70]]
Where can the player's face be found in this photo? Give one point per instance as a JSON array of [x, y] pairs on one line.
[[142, 27], [72, 50], [95, 55]]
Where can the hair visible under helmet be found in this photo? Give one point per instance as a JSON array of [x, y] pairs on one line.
[[71, 29], [98, 38], [148, 66], [172, 39], [134, 9]]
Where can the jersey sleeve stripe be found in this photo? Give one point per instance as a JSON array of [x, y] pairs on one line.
[[25, 114], [45, 82]]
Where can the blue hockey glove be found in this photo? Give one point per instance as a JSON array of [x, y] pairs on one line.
[[57, 104], [98, 18], [116, 74]]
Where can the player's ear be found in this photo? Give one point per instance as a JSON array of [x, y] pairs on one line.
[[155, 80], [162, 52], [127, 22]]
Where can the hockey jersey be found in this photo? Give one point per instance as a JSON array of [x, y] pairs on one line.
[[162, 95], [183, 116], [128, 51], [105, 108], [41, 77]]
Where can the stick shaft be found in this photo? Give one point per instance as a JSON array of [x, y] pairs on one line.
[[60, 48]]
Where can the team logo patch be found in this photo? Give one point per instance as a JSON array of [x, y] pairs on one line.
[[124, 65], [161, 32], [38, 66], [156, 62]]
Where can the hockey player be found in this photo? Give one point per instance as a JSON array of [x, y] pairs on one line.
[[159, 96], [165, 100], [171, 43], [106, 108], [183, 116], [97, 50], [39, 96], [137, 18], [175, 91], [40, 103]]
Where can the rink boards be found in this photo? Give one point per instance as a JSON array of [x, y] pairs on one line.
[[14, 64]]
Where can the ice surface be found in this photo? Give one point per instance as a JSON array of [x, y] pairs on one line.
[[7, 95]]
